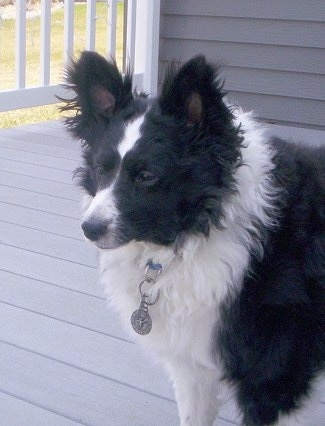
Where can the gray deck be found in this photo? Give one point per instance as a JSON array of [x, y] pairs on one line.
[[64, 360]]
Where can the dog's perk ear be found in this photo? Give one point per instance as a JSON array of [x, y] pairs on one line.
[[100, 88], [194, 108], [192, 92]]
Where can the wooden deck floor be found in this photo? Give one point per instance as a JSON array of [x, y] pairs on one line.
[[64, 360]]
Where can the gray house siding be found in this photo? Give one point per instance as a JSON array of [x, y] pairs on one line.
[[272, 52]]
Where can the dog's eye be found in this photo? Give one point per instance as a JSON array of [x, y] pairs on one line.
[[147, 178]]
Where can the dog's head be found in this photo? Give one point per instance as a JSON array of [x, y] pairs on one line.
[[156, 170]]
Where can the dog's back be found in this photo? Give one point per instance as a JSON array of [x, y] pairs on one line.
[[272, 338]]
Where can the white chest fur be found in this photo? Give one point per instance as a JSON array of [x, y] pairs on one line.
[[185, 317], [191, 287]]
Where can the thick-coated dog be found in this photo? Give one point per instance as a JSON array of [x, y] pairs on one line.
[[211, 238]]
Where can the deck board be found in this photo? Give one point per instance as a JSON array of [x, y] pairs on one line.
[[102, 355], [45, 149], [84, 310], [49, 244], [49, 269], [64, 357], [38, 159], [78, 394], [13, 410], [51, 204], [42, 172], [42, 220], [41, 186]]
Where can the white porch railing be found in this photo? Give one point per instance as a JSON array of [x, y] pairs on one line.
[[141, 48]]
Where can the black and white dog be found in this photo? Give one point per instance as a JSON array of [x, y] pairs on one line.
[[230, 227]]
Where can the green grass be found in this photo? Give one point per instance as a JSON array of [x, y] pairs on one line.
[[7, 56]]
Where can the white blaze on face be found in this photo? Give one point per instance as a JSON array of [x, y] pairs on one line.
[[103, 211], [131, 135], [103, 206]]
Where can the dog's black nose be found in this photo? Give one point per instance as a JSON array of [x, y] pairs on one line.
[[94, 229]]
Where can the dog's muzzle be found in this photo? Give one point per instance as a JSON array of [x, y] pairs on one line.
[[101, 233], [94, 229]]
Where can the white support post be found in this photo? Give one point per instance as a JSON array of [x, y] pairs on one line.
[[91, 25], [147, 44], [153, 37], [68, 30], [45, 58], [20, 44], [131, 33], [111, 28]]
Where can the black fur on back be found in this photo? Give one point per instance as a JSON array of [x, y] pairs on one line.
[[272, 341]]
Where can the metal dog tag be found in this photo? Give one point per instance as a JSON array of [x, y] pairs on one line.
[[140, 319]]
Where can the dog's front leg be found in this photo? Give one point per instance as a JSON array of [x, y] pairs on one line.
[[196, 390]]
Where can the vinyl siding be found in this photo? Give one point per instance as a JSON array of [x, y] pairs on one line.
[[272, 53]]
